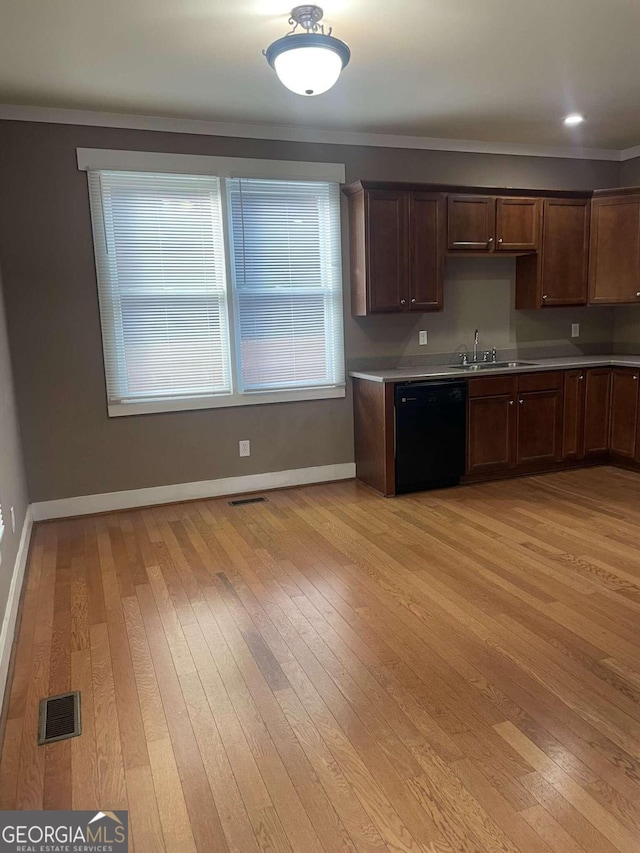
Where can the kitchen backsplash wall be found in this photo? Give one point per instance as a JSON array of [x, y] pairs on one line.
[[479, 293], [630, 173], [626, 338]]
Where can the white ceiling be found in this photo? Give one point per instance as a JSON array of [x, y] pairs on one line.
[[488, 70]]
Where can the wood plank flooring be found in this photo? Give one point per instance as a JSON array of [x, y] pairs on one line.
[[448, 672]]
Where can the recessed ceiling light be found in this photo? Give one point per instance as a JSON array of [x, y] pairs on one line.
[[573, 119]]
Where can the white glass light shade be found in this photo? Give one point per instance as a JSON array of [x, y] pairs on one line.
[[308, 70], [309, 63]]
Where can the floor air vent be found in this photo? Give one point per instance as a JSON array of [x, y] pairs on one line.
[[59, 718], [242, 501]]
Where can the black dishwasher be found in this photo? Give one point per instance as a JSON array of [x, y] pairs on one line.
[[431, 420]]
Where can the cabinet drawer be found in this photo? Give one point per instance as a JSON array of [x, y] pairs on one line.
[[492, 386], [550, 381]]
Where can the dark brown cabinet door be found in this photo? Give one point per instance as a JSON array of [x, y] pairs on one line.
[[426, 252], [387, 261], [490, 434], [624, 412], [596, 411], [539, 426], [614, 263], [565, 252], [573, 415], [517, 224], [471, 222]]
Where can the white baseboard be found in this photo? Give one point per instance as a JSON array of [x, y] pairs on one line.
[[87, 504], [13, 602]]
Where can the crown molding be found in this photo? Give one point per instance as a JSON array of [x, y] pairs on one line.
[[52, 115]]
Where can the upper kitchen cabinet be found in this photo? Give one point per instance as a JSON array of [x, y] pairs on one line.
[[477, 223], [614, 263], [471, 222], [558, 274], [518, 224], [426, 251], [396, 248]]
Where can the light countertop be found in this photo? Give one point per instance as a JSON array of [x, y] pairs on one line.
[[448, 371]]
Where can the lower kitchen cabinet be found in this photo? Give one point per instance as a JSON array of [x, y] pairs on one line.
[[624, 412], [587, 413], [517, 424], [539, 426], [514, 422], [573, 416], [597, 411], [490, 434]]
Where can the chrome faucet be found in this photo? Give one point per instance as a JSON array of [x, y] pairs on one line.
[[475, 346]]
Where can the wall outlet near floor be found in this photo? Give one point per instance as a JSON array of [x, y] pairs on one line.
[[244, 447], [575, 330], [422, 338]]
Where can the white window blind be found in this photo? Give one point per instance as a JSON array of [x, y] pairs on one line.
[[162, 285], [285, 246]]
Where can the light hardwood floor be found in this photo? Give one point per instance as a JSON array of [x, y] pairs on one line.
[[333, 671]]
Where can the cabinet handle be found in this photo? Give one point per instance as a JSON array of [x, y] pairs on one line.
[[636, 378], [490, 240], [511, 402], [413, 300], [544, 296], [638, 293], [521, 401], [500, 240], [402, 301], [581, 378]]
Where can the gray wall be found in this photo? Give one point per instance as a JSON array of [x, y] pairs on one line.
[[630, 173], [72, 448], [626, 335], [13, 492]]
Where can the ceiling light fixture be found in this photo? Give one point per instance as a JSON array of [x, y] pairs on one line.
[[573, 119], [309, 62]]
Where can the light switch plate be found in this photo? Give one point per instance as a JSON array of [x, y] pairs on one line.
[[575, 330], [422, 338]]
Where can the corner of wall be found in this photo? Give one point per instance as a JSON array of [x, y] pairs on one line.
[[9, 622], [13, 494]]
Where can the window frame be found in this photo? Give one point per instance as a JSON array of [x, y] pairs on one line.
[[97, 160]]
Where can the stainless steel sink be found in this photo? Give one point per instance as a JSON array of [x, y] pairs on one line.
[[492, 365]]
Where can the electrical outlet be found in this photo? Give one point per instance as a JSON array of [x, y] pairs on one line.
[[422, 338], [12, 513], [244, 447], [575, 330]]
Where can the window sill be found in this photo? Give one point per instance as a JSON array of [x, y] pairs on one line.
[[117, 410]]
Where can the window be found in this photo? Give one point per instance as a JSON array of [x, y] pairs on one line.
[[288, 295], [217, 290]]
